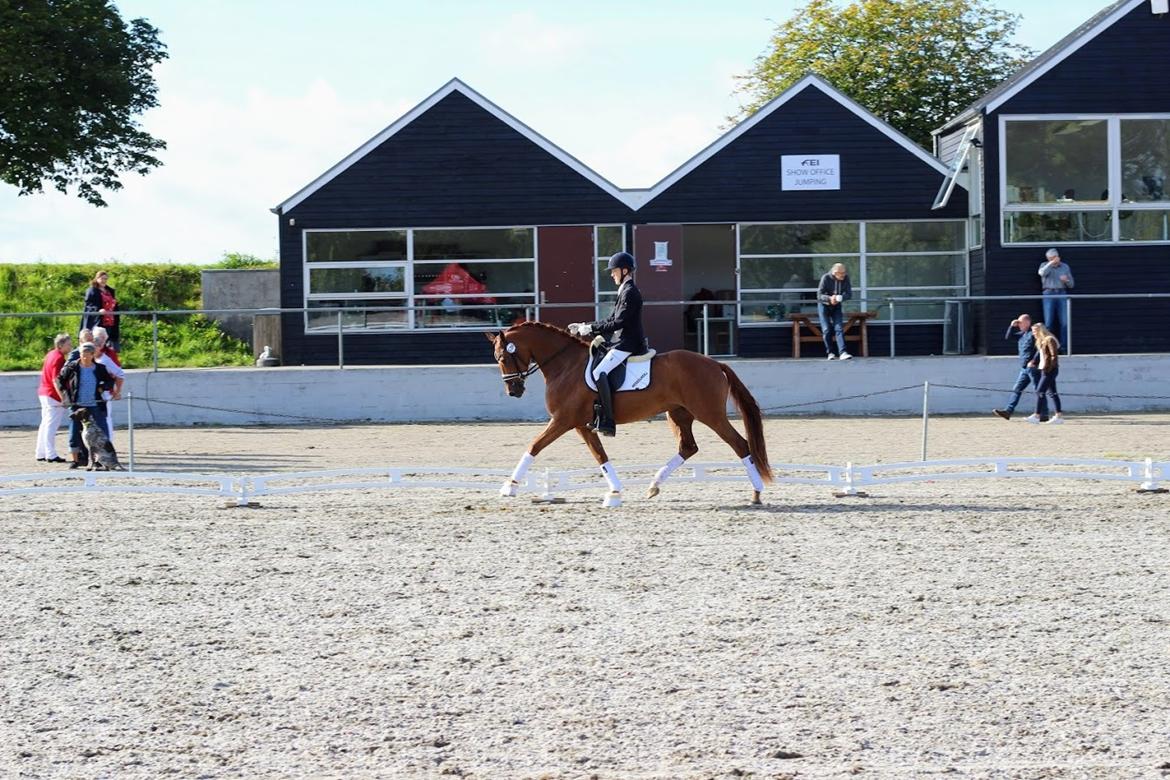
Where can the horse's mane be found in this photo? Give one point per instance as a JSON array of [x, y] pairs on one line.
[[553, 328]]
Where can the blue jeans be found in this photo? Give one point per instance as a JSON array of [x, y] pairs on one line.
[[1056, 315], [1028, 376], [832, 325], [1047, 386]]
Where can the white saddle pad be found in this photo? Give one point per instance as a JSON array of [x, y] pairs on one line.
[[637, 373]]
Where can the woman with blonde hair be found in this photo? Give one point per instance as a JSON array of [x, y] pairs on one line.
[[1048, 354]]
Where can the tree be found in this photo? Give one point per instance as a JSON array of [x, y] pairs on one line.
[[73, 78], [914, 63]]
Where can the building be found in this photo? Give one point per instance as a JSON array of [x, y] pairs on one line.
[[1073, 152], [459, 218]]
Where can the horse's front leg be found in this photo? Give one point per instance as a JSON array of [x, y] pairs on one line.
[[593, 442], [553, 431]]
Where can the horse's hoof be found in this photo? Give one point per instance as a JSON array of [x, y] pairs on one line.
[[612, 499], [756, 498], [653, 491], [509, 489]]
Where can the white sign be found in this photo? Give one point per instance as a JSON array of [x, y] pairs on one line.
[[810, 172], [661, 250]]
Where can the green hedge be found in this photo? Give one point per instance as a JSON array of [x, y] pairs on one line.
[[184, 340]]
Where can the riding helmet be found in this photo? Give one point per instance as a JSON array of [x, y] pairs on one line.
[[621, 260]]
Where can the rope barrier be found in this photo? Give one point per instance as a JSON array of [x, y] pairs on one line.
[[844, 398]]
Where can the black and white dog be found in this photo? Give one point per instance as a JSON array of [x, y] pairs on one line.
[[102, 455]]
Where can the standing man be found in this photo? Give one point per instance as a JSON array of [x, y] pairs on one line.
[[832, 293], [52, 410], [1021, 330], [1056, 279], [624, 327], [82, 382]]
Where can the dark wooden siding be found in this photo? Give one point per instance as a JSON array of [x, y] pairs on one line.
[[1123, 70], [741, 183], [454, 166]]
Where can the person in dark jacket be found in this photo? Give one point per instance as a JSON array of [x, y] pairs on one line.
[[100, 306], [834, 289], [82, 382], [1021, 330], [623, 327]]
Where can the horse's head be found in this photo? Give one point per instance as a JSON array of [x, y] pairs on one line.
[[514, 359]]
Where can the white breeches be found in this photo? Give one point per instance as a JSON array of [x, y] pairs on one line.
[[610, 362], [52, 415]]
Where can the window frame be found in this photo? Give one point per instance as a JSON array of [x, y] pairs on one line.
[[862, 292], [598, 295], [408, 267], [1111, 208]]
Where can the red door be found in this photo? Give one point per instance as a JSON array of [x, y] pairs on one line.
[[565, 272], [660, 279]]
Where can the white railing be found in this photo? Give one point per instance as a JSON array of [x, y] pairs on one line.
[[849, 479]]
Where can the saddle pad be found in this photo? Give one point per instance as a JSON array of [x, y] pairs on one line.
[[637, 372]]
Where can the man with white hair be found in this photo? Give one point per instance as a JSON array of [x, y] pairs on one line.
[[1056, 279], [109, 358]]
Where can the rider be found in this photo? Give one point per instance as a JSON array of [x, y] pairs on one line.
[[624, 327]]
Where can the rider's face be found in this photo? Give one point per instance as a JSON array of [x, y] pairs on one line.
[[616, 275]]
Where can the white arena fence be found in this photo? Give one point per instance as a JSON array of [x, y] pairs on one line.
[[850, 479]]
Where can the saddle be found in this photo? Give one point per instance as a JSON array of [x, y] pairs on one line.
[[632, 374]]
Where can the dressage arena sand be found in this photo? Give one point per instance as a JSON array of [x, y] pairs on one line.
[[1008, 628]]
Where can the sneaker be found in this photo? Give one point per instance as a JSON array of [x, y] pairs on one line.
[[57, 459], [75, 465], [1056, 420], [1033, 418], [1002, 414], [1043, 418], [831, 356], [40, 460], [846, 356]]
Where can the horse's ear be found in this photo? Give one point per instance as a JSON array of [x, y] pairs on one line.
[[490, 336]]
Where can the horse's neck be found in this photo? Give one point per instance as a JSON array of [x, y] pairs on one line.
[[554, 353]]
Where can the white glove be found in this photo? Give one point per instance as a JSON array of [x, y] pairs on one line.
[[581, 328]]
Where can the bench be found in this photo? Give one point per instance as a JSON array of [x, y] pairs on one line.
[[855, 319]]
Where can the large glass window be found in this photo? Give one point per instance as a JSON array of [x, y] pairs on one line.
[[782, 264], [1084, 179], [608, 240], [421, 278]]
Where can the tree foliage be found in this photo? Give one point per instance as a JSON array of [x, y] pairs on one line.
[[73, 79], [914, 63]]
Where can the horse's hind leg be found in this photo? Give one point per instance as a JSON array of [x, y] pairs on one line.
[[719, 423], [681, 422], [553, 431], [593, 442]]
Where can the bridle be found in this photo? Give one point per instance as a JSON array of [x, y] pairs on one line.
[[533, 365]]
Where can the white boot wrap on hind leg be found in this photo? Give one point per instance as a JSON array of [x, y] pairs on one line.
[[753, 473], [668, 469], [522, 467], [611, 477]]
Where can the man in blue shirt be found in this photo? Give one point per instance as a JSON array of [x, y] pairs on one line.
[[1021, 329]]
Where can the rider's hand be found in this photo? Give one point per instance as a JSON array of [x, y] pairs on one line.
[[581, 328]]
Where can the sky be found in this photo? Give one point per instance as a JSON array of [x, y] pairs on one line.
[[258, 98]]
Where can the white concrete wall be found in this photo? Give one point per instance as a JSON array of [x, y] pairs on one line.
[[451, 393]]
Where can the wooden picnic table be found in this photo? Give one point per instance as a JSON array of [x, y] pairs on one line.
[[853, 319]]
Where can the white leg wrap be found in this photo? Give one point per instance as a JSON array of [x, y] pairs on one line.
[[521, 469], [611, 477], [668, 469], [753, 473]]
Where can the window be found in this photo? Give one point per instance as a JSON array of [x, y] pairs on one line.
[[782, 264], [1084, 179], [608, 240], [396, 279]]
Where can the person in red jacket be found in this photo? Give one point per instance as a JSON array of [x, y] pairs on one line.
[[52, 410]]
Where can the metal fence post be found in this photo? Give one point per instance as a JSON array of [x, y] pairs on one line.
[[130, 425], [340, 343], [1068, 326], [154, 340], [925, 415], [893, 327], [706, 330]]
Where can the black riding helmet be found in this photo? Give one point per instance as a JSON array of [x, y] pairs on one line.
[[621, 260]]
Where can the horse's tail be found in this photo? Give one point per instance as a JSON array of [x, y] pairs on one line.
[[749, 410]]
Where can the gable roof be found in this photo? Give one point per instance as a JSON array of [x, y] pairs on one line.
[[1046, 61], [810, 81], [454, 85], [634, 198]]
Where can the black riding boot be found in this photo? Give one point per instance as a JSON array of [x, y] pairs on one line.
[[605, 424]]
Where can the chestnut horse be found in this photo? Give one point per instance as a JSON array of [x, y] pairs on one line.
[[685, 385]]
